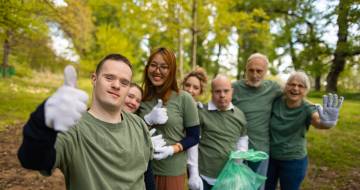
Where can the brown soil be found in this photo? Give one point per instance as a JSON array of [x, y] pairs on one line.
[[12, 175]]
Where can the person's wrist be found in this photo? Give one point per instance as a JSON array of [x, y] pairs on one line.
[[177, 147]]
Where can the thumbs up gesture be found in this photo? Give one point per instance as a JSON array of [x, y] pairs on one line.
[[64, 108], [157, 116]]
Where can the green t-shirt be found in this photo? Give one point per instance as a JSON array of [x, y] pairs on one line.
[[220, 131], [99, 155], [182, 113], [256, 104], [288, 128]]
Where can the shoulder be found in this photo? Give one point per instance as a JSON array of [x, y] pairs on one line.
[[309, 106], [133, 119], [238, 83]]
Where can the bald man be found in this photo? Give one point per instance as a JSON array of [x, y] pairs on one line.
[[254, 96], [222, 131]]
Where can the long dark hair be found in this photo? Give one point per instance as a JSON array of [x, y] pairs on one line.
[[170, 83]]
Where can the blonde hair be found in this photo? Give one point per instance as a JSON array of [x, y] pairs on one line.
[[200, 74]]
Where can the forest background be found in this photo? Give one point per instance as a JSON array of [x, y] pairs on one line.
[[321, 37]]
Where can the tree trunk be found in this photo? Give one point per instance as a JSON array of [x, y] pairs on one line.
[[339, 61], [318, 83], [6, 52], [194, 34], [180, 42], [217, 64]]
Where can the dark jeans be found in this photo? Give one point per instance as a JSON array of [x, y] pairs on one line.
[[290, 172], [206, 185]]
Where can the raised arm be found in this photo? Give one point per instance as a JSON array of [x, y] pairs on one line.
[[58, 113], [327, 115]]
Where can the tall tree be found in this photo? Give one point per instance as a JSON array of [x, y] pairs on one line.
[[347, 13]]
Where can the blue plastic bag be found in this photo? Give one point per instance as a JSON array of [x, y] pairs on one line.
[[238, 176]]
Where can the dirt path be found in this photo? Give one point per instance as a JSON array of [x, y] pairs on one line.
[[12, 175]]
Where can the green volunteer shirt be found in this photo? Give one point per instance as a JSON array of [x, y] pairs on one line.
[[182, 113], [288, 129], [220, 131], [99, 155], [256, 104]]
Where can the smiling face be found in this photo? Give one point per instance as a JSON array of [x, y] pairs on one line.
[[193, 86], [158, 71], [132, 100], [111, 84], [255, 72], [295, 90]]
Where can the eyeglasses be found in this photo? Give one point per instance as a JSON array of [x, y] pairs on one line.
[[293, 85], [162, 67]]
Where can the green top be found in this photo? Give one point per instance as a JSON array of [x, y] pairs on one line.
[[288, 128], [220, 131], [182, 112], [99, 155], [256, 105]]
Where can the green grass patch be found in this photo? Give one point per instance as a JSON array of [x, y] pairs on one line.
[[20, 96], [334, 154]]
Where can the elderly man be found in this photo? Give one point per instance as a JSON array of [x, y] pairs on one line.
[[222, 131], [254, 96], [102, 148]]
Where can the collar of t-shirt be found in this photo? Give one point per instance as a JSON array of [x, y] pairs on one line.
[[212, 106]]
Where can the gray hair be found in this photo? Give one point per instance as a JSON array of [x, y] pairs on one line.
[[302, 77], [257, 56]]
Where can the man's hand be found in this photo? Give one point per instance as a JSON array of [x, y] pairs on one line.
[[195, 182], [64, 108], [157, 140], [157, 116], [329, 113], [163, 152]]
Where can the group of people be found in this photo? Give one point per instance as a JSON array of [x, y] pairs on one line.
[[109, 146]]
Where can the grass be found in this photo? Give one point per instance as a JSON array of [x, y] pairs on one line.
[[20, 96], [334, 154]]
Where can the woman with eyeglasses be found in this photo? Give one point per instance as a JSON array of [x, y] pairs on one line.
[[173, 113], [290, 120]]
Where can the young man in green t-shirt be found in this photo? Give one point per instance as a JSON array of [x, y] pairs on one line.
[[254, 96], [101, 148], [222, 131]]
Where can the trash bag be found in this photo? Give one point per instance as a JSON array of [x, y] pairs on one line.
[[238, 176]]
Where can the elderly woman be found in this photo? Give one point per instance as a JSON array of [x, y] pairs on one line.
[[173, 113], [290, 120]]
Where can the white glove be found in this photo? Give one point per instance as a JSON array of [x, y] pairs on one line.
[[242, 145], [195, 182], [157, 116], [330, 112], [64, 108], [157, 140], [193, 155], [163, 152]]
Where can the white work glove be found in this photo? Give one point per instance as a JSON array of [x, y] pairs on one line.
[[195, 182], [242, 145], [156, 140], [163, 152], [330, 112], [64, 108], [157, 116]]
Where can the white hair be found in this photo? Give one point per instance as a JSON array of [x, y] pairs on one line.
[[258, 56], [302, 77]]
